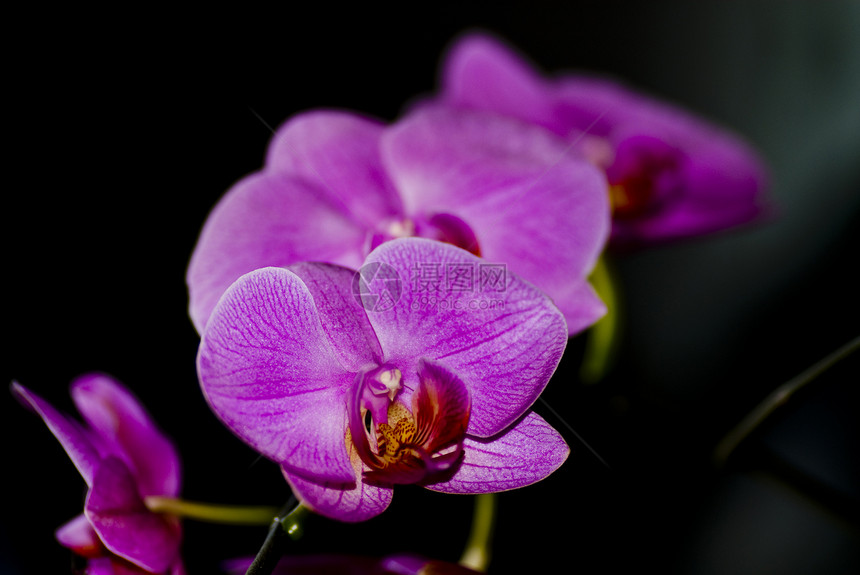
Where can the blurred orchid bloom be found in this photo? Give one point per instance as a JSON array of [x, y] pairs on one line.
[[433, 388], [336, 185], [123, 458], [671, 174]]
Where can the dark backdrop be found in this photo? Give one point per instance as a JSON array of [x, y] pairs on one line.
[[123, 130]]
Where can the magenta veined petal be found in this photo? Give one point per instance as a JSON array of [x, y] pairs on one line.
[[351, 502], [525, 454], [342, 317], [268, 370], [504, 344]]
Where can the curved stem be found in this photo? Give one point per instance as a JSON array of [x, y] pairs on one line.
[[288, 524], [477, 553], [232, 514], [602, 336], [776, 399]]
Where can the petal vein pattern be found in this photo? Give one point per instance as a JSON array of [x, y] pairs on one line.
[[278, 384], [478, 335]]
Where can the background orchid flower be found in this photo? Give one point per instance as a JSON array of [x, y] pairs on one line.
[[123, 458], [434, 389], [336, 185], [671, 174]]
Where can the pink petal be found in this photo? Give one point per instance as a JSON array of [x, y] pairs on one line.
[[530, 201], [343, 318], [504, 345], [68, 432], [482, 72], [269, 372], [79, 536], [525, 454], [580, 305], [124, 524], [265, 220], [101, 566], [130, 433], [338, 152], [351, 502]]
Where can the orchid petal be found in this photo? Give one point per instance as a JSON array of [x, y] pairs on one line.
[[79, 536], [343, 318], [504, 345], [580, 305], [525, 454], [71, 435], [351, 502], [102, 566], [339, 153], [481, 72], [269, 372], [265, 220], [723, 183], [125, 525], [117, 417], [721, 177], [720, 186], [440, 407], [531, 203]]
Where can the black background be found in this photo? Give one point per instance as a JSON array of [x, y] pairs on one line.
[[123, 130]]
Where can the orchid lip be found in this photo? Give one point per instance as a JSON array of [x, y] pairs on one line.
[[410, 445]]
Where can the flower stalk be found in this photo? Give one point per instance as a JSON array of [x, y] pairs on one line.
[[287, 524], [230, 514], [775, 400], [477, 552], [602, 336]]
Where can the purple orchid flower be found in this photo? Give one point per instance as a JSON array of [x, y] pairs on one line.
[[336, 185], [671, 174], [123, 458], [432, 388]]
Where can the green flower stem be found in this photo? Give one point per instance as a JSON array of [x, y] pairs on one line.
[[292, 523], [232, 514], [287, 525], [602, 340], [477, 553], [776, 399]]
